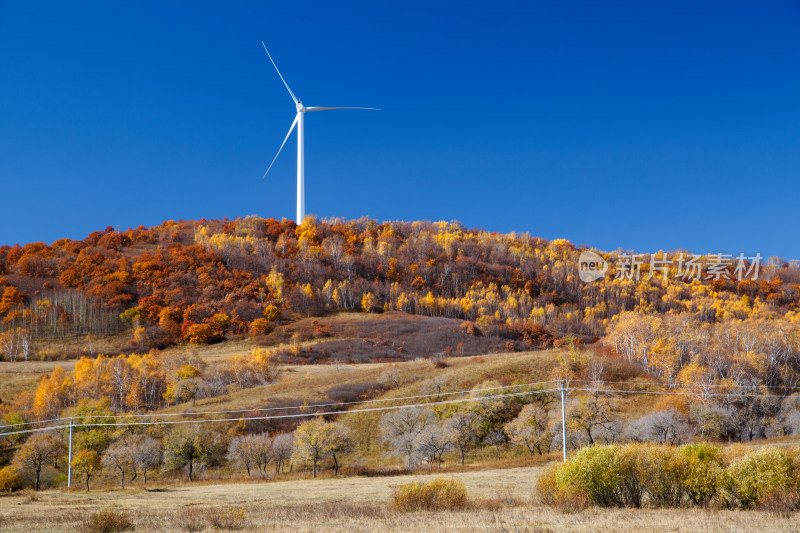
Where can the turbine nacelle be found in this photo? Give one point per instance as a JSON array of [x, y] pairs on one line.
[[300, 107]]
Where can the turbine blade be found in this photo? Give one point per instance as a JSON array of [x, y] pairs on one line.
[[294, 123], [279, 73], [326, 108]]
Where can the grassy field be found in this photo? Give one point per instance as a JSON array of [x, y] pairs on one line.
[[501, 501]]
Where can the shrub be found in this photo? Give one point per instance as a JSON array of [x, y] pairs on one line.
[[198, 333], [10, 480], [780, 502], [571, 500], [106, 522], [662, 470], [703, 470], [596, 471], [272, 313], [547, 486], [633, 473], [630, 475], [470, 329], [260, 326], [438, 494], [761, 471]]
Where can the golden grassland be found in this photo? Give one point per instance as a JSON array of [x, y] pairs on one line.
[[501, 500]]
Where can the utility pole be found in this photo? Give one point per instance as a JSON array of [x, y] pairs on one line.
[[563, 388], [69, 464]]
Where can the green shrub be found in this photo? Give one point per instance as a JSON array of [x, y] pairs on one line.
[[703, 470], [761, 471], [701, 451], [660, 475], [662, 470], [597, 472], [567, 499], [106, 522], [794, 455], [438, 494]]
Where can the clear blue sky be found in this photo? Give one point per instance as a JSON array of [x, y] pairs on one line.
[[641, 125]]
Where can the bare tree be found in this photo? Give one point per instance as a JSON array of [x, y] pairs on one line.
[[496, 438], [400, 428], [391, 378], [146, 454], [118, 457], [530, 429], [282, 450], [665, 427], [432, 442], [591, 414], [461, 427], [787, 421], [251, 452], [239, 453]]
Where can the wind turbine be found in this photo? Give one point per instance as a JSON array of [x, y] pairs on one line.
[[298, 121]]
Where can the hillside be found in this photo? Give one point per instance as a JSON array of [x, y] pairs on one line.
[[206, 280], [233, 335]]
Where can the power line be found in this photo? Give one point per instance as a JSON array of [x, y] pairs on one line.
[[373, 409], [679, 393], [34, 422], [414, 397], [274, 417], [717, 385], [333, 404], [311, 406]]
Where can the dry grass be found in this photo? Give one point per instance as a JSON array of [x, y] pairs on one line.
[[359, 504], [21, 376], [391, 336]]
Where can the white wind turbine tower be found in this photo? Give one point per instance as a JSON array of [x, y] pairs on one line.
[[298, 121]]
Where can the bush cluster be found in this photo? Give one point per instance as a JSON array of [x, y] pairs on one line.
[[10, 479], [438, 494], [634, 475], [108, 521]]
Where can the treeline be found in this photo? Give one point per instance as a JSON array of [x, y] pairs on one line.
[[141, 382]]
